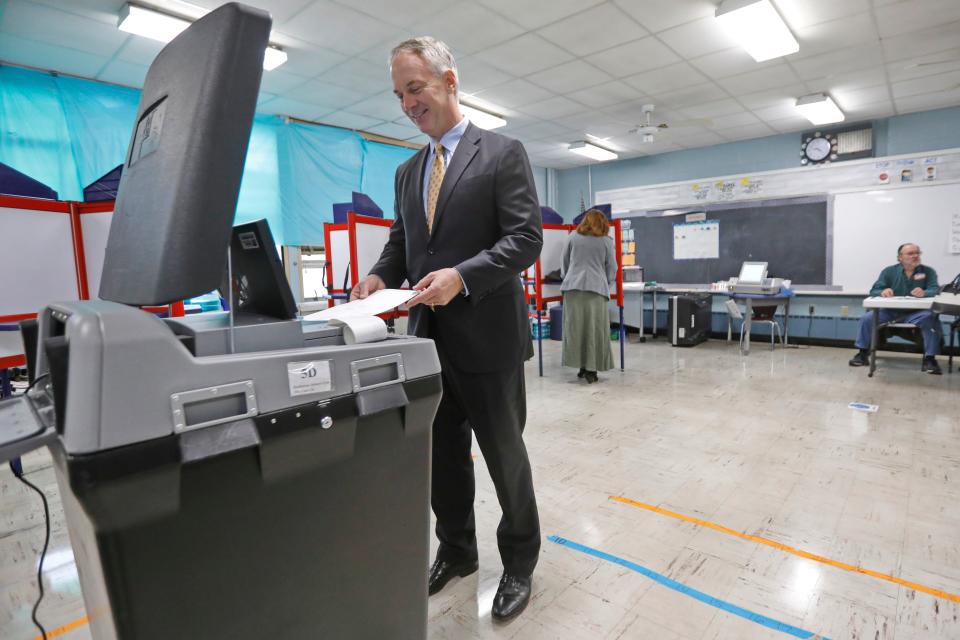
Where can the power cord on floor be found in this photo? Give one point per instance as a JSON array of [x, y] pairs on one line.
[[17, 468]]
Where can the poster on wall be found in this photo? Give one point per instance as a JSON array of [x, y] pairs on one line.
[[724, 189], [696, 240]]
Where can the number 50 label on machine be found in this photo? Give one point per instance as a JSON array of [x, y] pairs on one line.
[[309, 377]]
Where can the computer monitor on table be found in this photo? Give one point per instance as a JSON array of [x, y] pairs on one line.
[[753, 272]]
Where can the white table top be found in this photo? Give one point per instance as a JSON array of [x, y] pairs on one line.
[[897, 302]]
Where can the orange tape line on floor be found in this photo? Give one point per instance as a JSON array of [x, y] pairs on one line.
[[797, 552], [70, 626]]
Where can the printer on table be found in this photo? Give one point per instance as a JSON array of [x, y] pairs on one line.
[[753, 279]]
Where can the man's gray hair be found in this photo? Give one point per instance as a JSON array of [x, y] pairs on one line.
[[434, 52]]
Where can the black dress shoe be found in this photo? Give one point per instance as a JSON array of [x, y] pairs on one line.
[[512, 597], [862, 359], [581, 373], [444, 571], [591, 377]]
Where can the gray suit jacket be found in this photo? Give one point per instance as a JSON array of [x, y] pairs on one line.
[[588, 264], [487, 225]]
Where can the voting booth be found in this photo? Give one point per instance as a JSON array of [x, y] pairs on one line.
[[238, 474]]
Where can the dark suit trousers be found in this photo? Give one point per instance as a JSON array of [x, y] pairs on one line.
[[494, 405]]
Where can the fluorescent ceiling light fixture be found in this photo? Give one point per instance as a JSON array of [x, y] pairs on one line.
[[757, 27], [163, 27], [481, 118], [273, 57], [592, 151], [151, 24], [819, 108]]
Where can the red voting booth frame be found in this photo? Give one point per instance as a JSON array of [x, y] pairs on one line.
[[74, 210]]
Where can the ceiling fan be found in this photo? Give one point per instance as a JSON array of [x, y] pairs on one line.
[[647, 129]]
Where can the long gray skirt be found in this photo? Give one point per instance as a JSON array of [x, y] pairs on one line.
[[586, 331]]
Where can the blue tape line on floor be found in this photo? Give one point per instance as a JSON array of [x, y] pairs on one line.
[[776, 625]]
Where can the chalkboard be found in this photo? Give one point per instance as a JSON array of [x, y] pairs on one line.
[[790, 235]]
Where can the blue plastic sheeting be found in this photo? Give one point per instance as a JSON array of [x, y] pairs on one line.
[[99, 120], [318, 166], [34, 136], [68, 132], [260, 188], [380, 164]]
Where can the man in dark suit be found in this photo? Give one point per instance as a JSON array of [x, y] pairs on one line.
[[467, 224]]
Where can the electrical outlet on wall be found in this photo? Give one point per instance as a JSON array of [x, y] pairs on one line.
[[844, 311]]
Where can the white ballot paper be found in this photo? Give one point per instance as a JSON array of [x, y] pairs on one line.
[[378, 302], [360, 329]]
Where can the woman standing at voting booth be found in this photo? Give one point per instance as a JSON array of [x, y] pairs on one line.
[[588, 267]]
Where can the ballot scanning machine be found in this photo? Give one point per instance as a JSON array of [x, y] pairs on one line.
[[753, 279], [229, 475]]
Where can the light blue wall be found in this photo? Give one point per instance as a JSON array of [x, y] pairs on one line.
[[911, 133]]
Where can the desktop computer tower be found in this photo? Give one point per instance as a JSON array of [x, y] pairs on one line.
[[689, 317]]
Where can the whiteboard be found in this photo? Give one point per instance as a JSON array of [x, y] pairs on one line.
[[96, 228], [696, 240], [868, 226], [37, 246]]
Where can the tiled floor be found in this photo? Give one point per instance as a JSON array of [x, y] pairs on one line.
[[763, 445]]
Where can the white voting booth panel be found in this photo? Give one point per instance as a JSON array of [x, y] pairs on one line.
[[96, 228], [368, 236], [338, 255], [551, 257], [868, 226], [38, 246]]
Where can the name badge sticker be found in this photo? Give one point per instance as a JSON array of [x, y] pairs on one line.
[[309, 377], [919, 276]]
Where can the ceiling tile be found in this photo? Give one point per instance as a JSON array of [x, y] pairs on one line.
[[633, 113], [690, 96], [328, 97], [697, 38], [729, 62], [286, 107], [773, 97], [927, 84], [383, 106], [514, 93], [540, 130], [596, 123], [127, 74], [605, 95], [771, 77], [882, 109], [355, 73], [279, 81], [790, 124], [469, 28], [746, 132], [550, 108], [729, 121], [342, 29], [524, 55], [904, 17], [568, 77], [926, 101], [280, 10], [139, 50], [616, 27], [840, 61], [41, 23], [533, 15], [924, 66], [17, 50], [665, 79], [394, 130], [475, 75], [919, 43], [309, 60], [848, 81], [700, 139], [634, 57], [836, 34], [402, 13], [657, 15], [848, 100], [263, 97], [800, 14], [713, 110]]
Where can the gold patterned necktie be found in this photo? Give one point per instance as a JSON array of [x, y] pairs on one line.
[[433, 187]]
